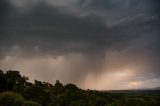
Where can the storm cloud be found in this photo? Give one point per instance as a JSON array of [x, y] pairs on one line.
[[82, 41]]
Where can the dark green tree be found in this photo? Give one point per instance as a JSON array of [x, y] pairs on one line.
[[58, 88], [3, 83]]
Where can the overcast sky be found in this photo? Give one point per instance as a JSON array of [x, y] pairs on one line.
[[96, 44]]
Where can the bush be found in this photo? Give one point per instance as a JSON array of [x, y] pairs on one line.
[[31, 103], [11, 99]]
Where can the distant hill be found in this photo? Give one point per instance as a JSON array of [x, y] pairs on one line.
[[157, 88]]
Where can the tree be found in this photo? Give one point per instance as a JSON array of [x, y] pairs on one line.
[[100, 101], [12, 78], [2, 81], [71, 87], [58, 88], [45, 94], [37, 94]]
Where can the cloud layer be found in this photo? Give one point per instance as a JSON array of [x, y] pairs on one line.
[[82, 41]]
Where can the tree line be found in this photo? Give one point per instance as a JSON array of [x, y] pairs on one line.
[[16, 90]]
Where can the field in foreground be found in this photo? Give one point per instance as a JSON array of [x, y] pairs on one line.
[[16, 90]]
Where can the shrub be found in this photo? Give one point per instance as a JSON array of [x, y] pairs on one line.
[[11, 99], [31, 103]]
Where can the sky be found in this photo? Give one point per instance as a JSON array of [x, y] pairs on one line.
[[95, 44]]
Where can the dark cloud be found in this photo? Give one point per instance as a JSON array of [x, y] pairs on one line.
[[128, 29], [47, 28]]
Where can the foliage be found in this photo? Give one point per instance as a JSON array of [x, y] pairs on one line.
[[11, 99], [31, 103], [45, 94]]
